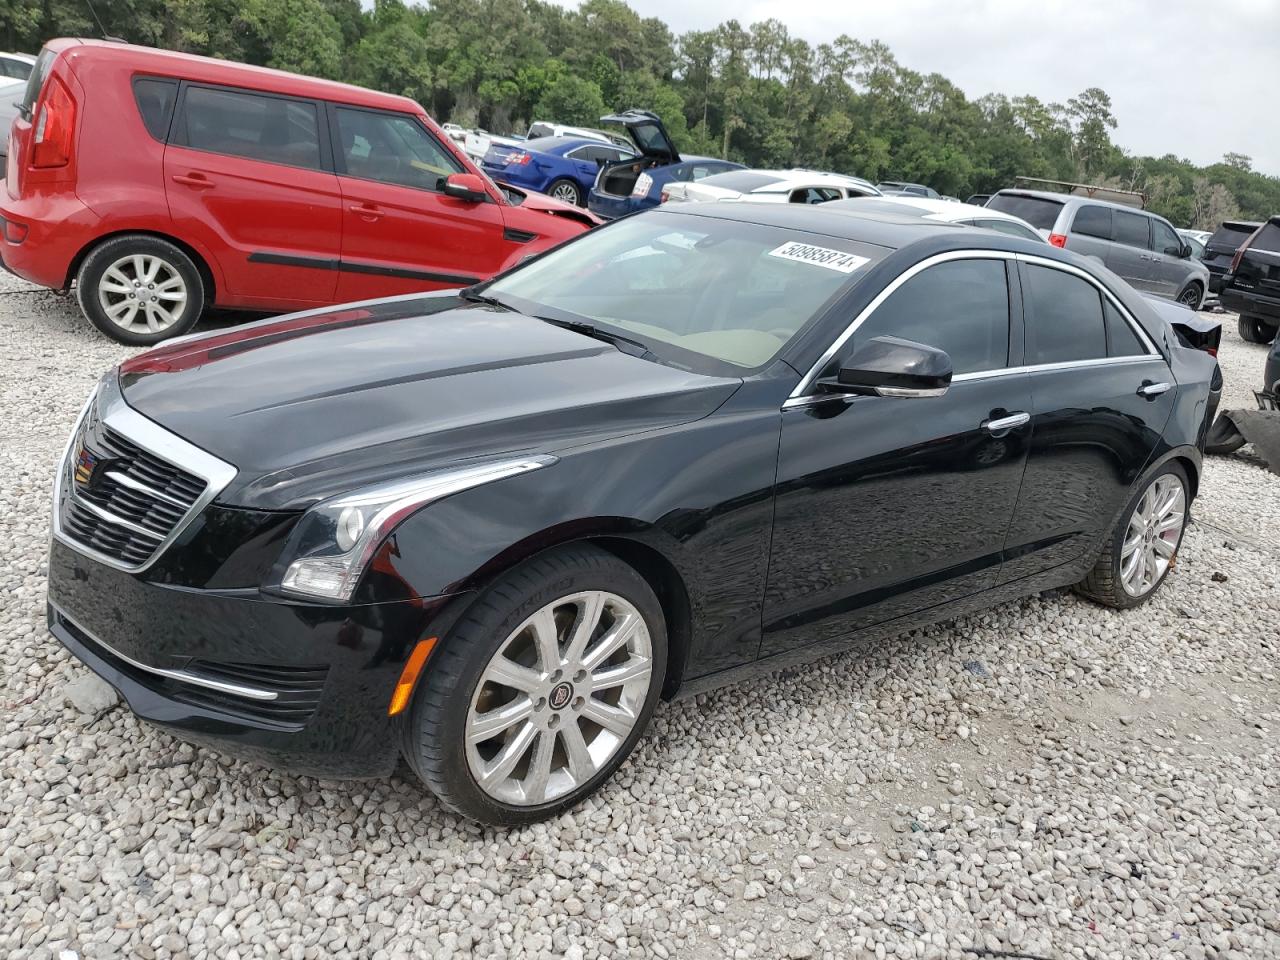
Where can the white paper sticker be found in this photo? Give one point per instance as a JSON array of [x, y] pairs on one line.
[[819, 256]]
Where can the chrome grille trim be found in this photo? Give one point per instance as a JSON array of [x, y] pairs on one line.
[[108, 408]]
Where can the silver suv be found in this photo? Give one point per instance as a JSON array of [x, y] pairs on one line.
[[1139, 246]]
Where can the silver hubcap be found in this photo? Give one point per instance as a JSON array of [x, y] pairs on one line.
[[141, 293], [1190, 297], [558, 698], [565, 192], [1151, 539]]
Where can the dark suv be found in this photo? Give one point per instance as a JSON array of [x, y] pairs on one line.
[[1222, 246], [1251, 286]]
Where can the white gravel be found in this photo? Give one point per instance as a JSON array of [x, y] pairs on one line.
[[1050, 779]]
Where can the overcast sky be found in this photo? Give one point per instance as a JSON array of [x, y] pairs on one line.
[[1196, 79]]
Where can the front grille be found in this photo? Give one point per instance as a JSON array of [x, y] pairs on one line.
[[119, 499]]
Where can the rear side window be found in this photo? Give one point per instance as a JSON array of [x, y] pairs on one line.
[[1132, 229], [813, 195], [1009, 227], [155, 99], [271, 129], [1121, 340], [1268, 239], [1064, 317], [35, 82], [1093, 221], [961, 306], [1040, 212]]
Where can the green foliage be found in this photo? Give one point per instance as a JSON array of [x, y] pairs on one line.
[[751, 92]]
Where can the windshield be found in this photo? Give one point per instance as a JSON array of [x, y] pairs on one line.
[[708, 294]]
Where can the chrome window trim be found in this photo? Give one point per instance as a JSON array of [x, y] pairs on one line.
[[185, 676], [800, 396], [154, 439]]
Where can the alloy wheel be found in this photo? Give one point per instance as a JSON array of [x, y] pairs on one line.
[[142, 293], [1190, 297], [566, 192], [558, 698], [1151, 539]]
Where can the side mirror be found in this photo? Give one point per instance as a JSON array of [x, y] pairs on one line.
[[893, 367], [466, 187], [1185, 252]]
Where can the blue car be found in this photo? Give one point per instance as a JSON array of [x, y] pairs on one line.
[[562, 167], [628, 185]]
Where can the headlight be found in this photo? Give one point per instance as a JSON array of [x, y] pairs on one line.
[[335, 540]]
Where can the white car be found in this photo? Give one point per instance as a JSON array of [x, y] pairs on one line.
[[16, 66], [947, 211], [770, 186]]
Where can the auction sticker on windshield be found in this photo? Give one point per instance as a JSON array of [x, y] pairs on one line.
[[819, 256]]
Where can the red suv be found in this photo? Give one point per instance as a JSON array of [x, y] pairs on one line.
[[162, 183]]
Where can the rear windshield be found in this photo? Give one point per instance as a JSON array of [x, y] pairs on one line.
[[744, 181], [1230, 235], [1040, 212], [36, 81], [1268, 238]]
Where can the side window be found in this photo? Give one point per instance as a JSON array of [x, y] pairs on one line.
[[1064, 317], [961, 306], [1121, 340], [1132, 229], [1093, 221], [814, 195], [1164, 240], [19, 71], [154, 98], [251, 125], [392, 148]]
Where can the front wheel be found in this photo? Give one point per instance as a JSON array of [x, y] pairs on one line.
[[139, 289], [1255, 330], [541, 690], [567, 191], [1191, 296], [1144, 545]]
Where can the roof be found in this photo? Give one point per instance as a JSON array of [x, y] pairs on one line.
[[1066, 197], [209, 70], [945, 210], [789, 179], [564, 141]]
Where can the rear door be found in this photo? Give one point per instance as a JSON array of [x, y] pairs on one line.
[[1101, 395], [1091, 231], [249, 176], [1130, 255], [400, 233]]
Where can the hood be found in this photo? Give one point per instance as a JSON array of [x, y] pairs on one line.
[[319, 403], [648, 134], [545, 204]]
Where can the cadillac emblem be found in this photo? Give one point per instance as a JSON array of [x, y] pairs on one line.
[[86, 461]]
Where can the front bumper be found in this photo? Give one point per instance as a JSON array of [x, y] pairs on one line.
[[1247, 303], [204, 664]]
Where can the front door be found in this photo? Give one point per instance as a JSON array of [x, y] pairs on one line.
[[400, 233], [1168, 270], [245, 176], [885, 506], [1101, 396]]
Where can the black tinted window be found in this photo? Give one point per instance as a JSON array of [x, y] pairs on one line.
[[1268, 238], [155, 103], [1121, 340], [961, 307], [1040, 212], [393, 148], [1229, 236], [250, 125], [1132, 229], [1093, 221], [1064, 317]]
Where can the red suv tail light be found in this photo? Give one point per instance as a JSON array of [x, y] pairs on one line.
[[54, 127], [1058, 239]]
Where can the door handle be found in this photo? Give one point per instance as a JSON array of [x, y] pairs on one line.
[[1151, 390], [366, 211], [1005, 424], [197, 180]]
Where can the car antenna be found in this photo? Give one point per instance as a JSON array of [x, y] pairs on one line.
[[98, 20]]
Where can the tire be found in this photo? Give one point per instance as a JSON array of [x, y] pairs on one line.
[[566, 190], [1223, 438], [457, 693], [1255, 330], [168, 306], [1192, 295], [1106, 582]]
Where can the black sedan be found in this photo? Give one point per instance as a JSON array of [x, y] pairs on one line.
[[487, 529]]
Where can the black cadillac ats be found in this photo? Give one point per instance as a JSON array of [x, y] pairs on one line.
[[486, 530]]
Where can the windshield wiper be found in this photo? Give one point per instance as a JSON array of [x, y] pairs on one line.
[[637, 348], [472, 295]]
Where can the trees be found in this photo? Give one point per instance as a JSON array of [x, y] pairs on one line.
[[749, 92]]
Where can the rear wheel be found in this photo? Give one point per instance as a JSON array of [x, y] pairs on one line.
[[1144, 545], [541, 690], [139, 289], [1191, 296], [567, 191], [1256, 330]]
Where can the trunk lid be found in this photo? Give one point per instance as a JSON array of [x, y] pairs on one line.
[[648, 134]]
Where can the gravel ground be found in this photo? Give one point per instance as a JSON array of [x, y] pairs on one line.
[[1050, 779]]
